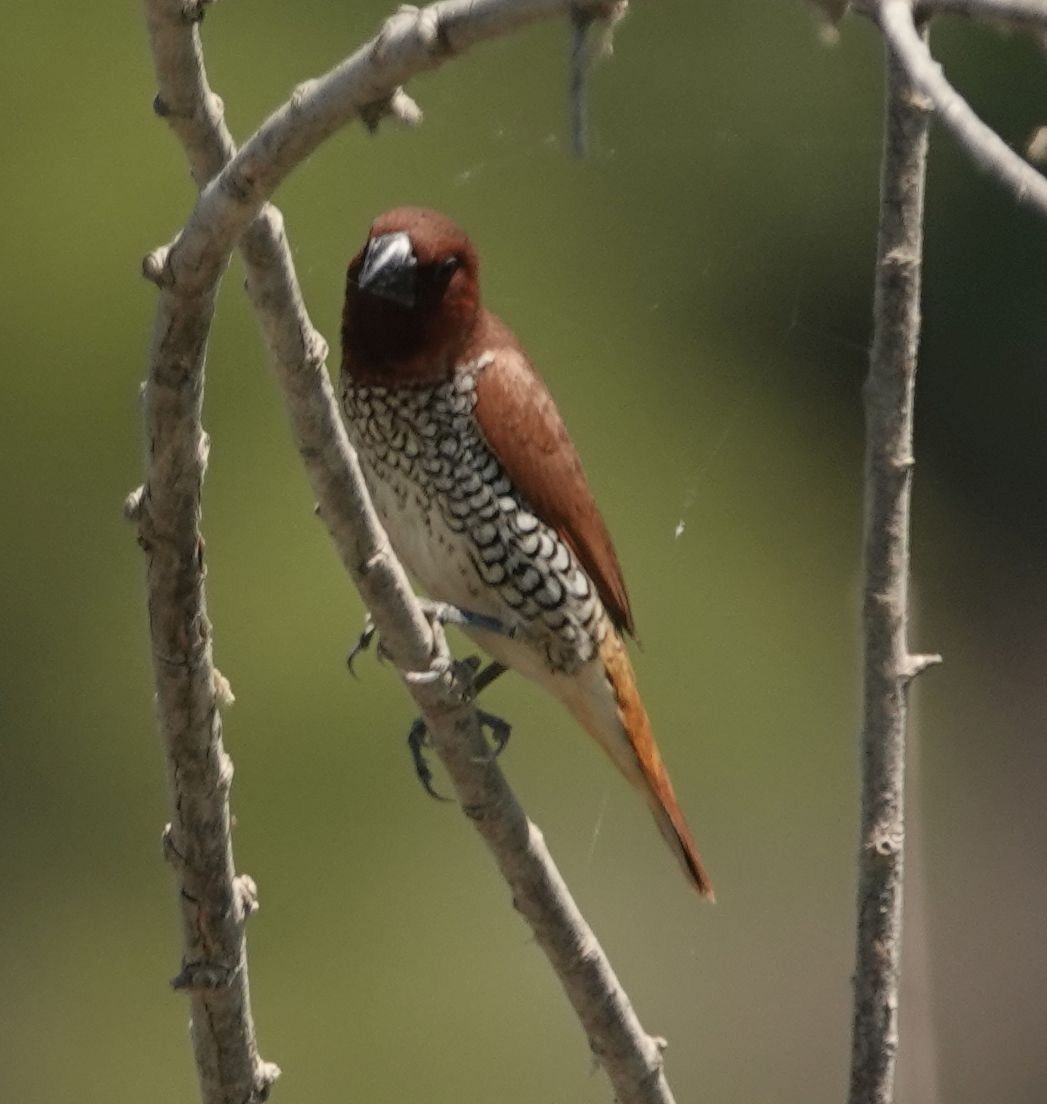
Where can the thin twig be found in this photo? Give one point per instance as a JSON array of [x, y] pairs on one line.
[[982, 143], [888, 665], [631, 1058], [592, 39]]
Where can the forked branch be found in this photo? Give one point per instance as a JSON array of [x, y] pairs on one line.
[[234, 203]]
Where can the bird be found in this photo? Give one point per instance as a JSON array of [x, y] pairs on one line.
[[483, 495]]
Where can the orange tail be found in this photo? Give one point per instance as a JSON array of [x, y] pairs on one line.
[[639, 760]]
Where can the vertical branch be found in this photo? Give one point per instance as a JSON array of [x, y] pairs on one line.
[[888, 665], [215, 902]]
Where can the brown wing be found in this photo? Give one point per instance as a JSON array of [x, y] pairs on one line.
[[525, 432]]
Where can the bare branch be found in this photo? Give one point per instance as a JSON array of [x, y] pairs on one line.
[[631, 1058], [888, 666], [985, 146], [1021, 13], [410, 42], [592, 35]]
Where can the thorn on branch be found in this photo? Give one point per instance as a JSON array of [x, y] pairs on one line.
[[398, 106]]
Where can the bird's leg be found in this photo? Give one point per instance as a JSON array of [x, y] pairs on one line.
[[487, 675], [446, 614], [442, 613], [418, 736]]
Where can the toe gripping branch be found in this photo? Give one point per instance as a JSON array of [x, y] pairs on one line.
[[418, 735], [476, 680]]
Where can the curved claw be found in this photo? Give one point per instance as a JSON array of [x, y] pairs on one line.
[[417, 738], [499, 728], [361, 646]]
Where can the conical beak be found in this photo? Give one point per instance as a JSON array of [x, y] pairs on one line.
[[389, 267]]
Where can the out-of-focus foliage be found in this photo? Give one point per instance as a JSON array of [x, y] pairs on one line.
[[697, 293]]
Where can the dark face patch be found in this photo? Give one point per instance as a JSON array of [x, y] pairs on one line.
[[412, 300]]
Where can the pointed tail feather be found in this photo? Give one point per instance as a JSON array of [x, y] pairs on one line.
[[641, 763]]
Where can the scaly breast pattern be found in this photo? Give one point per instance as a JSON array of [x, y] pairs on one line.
[[459, 525]]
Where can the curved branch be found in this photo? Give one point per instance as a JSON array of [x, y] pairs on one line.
[[985, 146], [631, 1058], [410, 42], [1020, 13]]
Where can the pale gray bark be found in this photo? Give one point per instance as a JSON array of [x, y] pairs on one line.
[[411, 41], [985, 147], [1027, 13], [888, 664], [916, 89]]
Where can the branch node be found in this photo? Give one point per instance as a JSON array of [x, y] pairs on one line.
[[265, 1077], [901, 258], [301, 93], [193, 11], [247, 895], [223, 692], [376, 559], [160, 107], [133, 504], [398, 105], [204, 976], [170, 849], [886, 841], [156, 266], [316, 350], [425, 24], [917, 664], [226, 770]]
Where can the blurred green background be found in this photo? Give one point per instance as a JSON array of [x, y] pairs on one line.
[[697, 294]]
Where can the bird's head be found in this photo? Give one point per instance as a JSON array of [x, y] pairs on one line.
[[412, 300]]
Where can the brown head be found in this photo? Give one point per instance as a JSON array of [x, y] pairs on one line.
[[412, 300]]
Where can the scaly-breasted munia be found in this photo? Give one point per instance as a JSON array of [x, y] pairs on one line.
[[482, 493]]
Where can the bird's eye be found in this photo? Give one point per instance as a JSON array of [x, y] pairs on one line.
[[445, 269]]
